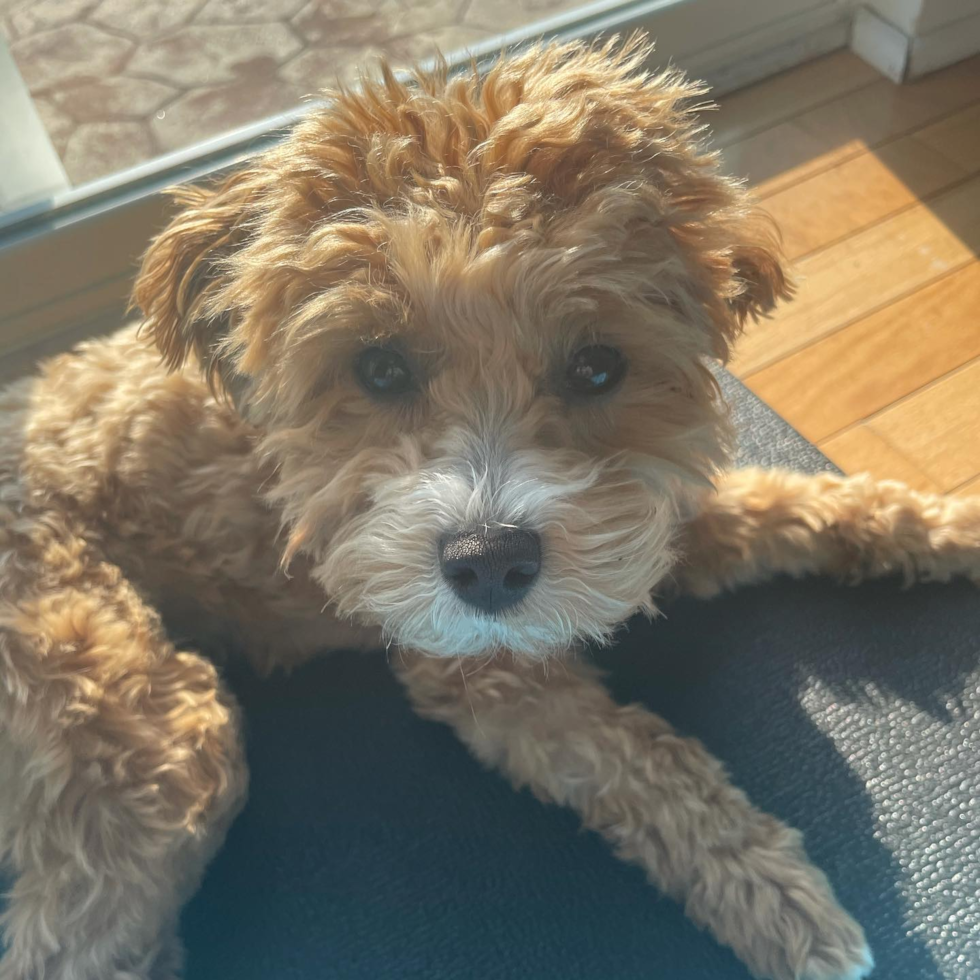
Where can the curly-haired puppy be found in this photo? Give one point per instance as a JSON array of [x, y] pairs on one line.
[[433, 374]]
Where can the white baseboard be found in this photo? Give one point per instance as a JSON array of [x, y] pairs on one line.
[[880, 44], [903, 57], [773, 48], [945, 45], [919, 17], [726, 43]]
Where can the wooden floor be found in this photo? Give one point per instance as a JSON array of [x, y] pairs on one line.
[[877, 190]]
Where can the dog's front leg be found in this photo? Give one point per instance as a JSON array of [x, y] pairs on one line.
[[761, 523], [662, 801], [121, 764]]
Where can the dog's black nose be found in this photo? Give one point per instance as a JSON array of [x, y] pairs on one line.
[[491, 569]]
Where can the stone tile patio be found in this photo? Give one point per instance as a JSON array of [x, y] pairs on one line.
[[117, 82]]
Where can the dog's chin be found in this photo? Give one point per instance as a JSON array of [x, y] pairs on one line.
[[521, 633], [541, 627], [488, 638]]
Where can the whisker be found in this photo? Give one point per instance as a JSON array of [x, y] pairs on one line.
[[476, 670], [469, 700]]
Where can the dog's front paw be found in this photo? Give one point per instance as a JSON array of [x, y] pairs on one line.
[[808, 937], [779, 914], [839, 954]]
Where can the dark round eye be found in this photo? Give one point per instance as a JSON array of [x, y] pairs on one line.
[[594, 370], [384, 373]]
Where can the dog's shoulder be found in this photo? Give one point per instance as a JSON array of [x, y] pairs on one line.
[[108, 418]]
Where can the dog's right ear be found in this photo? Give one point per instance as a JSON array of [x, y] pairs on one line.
[[182, 271]]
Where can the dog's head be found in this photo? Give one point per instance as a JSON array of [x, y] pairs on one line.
[[470, 319]]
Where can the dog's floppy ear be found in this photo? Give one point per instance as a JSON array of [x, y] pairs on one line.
[[757, 261], [746, 277], [182, 270], [734, 260], [596, 123]]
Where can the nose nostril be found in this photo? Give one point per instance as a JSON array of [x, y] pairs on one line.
[[491, 570], [463, 578], [520, 579]]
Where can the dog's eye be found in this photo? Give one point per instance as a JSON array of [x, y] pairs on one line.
[[384, 373], [594, 370]]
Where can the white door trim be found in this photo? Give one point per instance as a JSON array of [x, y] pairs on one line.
[[906, 39], [29, 166]]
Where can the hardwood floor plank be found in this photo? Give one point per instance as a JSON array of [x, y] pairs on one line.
[[867, 366], [783, 155], [856, 194], [832, 132], [938, 429], [876, 187], [875, 267], [782, 96], [971, 489], [957, 137], [860, 450]]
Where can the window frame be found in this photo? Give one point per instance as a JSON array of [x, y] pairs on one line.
[[67, 261]]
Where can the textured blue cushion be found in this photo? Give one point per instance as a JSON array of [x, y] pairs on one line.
[[375, 847]]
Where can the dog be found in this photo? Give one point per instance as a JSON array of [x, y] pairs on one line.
[[432, 373]]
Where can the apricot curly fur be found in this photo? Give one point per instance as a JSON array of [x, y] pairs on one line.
[[218, 469]]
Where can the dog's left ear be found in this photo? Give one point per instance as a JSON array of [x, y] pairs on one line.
[[181, 277], [737, 271], [761, 279]]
